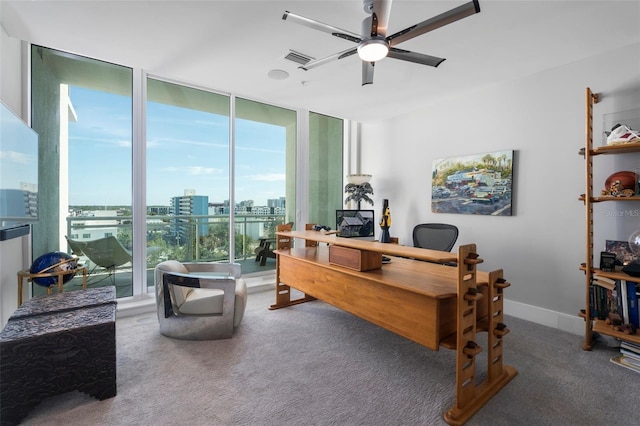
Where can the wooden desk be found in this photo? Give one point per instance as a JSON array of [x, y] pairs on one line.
[[431, 304]]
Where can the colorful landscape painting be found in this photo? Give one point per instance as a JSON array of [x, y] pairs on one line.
[[473, 184]]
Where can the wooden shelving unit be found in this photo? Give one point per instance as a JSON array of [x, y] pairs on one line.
[[599, 326]]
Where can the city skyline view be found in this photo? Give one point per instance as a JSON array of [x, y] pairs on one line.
[[186, 150]]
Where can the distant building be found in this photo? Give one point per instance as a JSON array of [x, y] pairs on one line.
[[277, 203], [189, 205], [19, 204], [93, 229]]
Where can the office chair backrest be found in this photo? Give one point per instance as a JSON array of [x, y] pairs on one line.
[[435, 236]]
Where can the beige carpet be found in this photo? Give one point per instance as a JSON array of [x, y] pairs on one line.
[[312, 364]]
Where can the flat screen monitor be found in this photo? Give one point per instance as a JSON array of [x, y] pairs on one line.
[[355, 223]]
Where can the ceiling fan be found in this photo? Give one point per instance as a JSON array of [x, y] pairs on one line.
[[374, 44]]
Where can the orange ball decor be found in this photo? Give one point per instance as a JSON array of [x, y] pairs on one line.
[[623, 183]]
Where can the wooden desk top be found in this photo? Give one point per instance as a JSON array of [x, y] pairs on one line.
[[375, 246]]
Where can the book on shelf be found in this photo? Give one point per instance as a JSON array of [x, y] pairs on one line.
[[632, 303], [602, 301], [605, 282], [618, 296], [598, 302], [623, 301], [634, 357], [624, 361], [631, 346]]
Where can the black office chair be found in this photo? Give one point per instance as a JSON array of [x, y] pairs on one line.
[[435, 236]]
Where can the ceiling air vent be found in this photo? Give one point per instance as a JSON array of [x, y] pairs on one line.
[[297, 57]]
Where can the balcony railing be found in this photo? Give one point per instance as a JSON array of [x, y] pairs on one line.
[[195, 238]]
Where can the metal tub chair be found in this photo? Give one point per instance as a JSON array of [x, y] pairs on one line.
[[199, 301]]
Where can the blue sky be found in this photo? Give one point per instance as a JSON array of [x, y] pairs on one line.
[[186, 149], [18, 151]]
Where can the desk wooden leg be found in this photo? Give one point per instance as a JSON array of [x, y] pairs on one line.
[[283, 292], [469, 397]]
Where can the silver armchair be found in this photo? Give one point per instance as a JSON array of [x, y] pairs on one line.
[[199, 301]]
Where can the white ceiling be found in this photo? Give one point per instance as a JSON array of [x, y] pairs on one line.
[[230, 46]]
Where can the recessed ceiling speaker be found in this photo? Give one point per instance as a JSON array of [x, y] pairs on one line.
[[278, 74]]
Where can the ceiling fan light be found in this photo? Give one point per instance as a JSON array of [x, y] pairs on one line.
[[373, 49]]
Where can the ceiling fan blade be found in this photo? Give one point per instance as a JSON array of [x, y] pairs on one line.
[[418, 58], [320, 26], [367, 72], [434, 23], [382, 10], [336, 56]]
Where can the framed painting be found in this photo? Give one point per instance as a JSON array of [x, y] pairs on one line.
[[479, 184], [622, 250]]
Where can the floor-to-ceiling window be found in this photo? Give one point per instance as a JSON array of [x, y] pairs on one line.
[[214, 166], [188, 173], [82, 109], [264, 175]]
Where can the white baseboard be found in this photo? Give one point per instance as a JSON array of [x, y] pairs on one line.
[[570, 323], [257, 283]]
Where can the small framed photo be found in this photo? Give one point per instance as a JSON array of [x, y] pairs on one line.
[[607, 261]]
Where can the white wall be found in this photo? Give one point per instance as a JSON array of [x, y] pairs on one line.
[[10, 72], [542, 118], [15, 253]]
